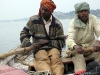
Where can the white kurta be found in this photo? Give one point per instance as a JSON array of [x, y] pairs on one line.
[[81, 36]]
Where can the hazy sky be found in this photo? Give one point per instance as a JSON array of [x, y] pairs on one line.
[[16, 9]]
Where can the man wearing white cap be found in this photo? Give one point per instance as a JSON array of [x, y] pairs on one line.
[[81, 35]]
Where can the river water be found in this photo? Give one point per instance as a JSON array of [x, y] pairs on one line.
[[10, 33]]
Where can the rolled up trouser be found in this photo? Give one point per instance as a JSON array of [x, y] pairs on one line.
[[79, 62]]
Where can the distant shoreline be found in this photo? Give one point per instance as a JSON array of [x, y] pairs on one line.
[[28, 19], [61, 15]]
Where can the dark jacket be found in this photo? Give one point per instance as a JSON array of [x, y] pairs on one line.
[[36, 28]]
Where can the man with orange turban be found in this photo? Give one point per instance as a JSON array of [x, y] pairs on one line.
[[49, 4], [45, 28]]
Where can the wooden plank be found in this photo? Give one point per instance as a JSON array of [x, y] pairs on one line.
[[69, 60], [66, 60]]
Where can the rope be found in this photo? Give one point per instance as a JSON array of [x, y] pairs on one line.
[[21, 60], [47, 72]]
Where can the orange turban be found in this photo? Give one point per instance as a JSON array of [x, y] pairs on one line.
[[49, 4]]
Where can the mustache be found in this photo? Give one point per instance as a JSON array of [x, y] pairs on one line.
[[84, 16]]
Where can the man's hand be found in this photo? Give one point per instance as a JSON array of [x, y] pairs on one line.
[[42, 41], [33, 46], [97, 46], [79, 49], [36, 45]]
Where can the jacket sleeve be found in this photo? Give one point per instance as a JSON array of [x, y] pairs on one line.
[[70, 42], [97, 28], [25, 35]]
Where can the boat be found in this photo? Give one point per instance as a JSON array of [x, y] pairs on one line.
[[16, 59]]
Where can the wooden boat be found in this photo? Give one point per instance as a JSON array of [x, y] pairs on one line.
[[16, 59]]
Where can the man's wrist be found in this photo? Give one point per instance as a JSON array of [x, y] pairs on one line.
[[74, 46]]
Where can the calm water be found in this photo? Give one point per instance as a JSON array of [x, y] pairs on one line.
[[10, 33]]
